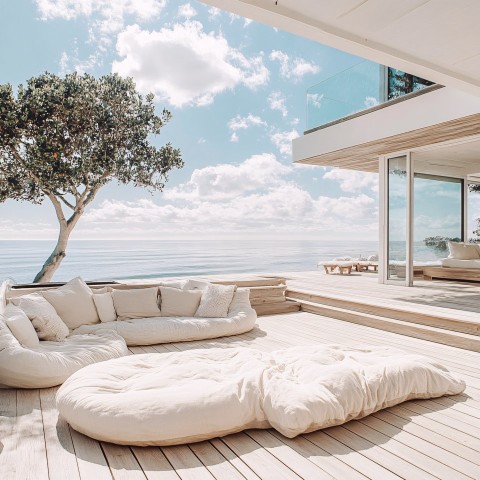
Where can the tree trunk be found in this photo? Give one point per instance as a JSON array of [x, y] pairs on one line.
[[55, 258]]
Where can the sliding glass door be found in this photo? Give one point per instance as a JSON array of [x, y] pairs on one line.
[[397, 221]]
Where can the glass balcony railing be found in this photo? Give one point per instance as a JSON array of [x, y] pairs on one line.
[[357, 88]]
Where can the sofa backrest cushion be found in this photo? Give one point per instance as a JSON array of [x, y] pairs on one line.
[[44, 318], [21, 326], [216, 300], [240, 301], [105, 307], [179, 303], [463, 251], [73, 303], [136, 303]]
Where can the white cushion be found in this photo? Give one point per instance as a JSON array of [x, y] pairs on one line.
[[456, 263], [51, 363], [136, 303], [149, 331], [216, 300], [195, 395], [44, 318], [73, 303], [179, 303], [193, 284], [105, 308], [21, 326], [463, 251]]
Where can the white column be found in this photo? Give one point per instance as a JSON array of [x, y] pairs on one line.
[[382, 223], [410, 220]]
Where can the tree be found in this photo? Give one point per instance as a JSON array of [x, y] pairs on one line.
[[62, 139]]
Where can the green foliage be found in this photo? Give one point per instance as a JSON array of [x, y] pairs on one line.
[[69, 136], [439, 242]]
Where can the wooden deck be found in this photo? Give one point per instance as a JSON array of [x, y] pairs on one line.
[[437, 438]]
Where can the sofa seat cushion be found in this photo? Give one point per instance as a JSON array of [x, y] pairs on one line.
[[74, 303], [182, 397], [456, 263], [51, 363]]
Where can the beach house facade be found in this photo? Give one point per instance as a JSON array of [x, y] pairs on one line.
[[409, 112]]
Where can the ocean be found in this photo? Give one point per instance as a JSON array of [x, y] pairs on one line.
[[133, 259]]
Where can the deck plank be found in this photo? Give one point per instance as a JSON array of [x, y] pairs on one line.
[[186, 463], [154, 464], [61, 458], [8, 441], [122, 462], [31, 460]]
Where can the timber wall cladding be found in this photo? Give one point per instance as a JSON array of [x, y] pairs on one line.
[[365, 156]]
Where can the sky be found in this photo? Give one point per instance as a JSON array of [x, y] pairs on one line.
[[237, 90]]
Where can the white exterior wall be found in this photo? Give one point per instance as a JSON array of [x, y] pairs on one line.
[[422, 111]]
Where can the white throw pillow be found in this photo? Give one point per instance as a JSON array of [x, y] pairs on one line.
[[216, 300], [136, 303], [463, 251], [74, 303], [44, 318], [179, 303], [21, 326], [105, 308], [240, 301]]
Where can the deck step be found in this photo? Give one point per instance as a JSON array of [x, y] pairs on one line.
[[394, 312], [425, 332], [288, 306]]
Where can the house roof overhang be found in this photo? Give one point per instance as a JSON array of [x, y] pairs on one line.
[[434, 39]]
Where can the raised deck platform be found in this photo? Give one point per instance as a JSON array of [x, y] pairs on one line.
[[430, 439]]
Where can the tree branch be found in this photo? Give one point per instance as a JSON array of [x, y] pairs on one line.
[[58, 209], [65, 201]]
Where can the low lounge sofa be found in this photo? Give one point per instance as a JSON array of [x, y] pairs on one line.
[[89, 340]]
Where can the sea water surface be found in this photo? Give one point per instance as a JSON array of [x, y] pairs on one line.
[[133, 259]]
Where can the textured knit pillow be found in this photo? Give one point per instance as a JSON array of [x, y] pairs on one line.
[[44, 318], [105, 308], [216, 300], [73, 303], [179, 303], [21, 326], [136, 303]]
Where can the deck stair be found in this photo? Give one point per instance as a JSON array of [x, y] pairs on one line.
[[443, 329], [267, 295]]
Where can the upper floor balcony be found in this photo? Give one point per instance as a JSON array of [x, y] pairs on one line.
[[357, 90]]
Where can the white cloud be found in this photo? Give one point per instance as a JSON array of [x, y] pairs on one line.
[[106, 17], [295, 68], [276, 101], [353, 180], [186, 11], [243, 123], [214, 12], [283, 140], [185, 65], [256, 195], [234, 137], [370, 102]]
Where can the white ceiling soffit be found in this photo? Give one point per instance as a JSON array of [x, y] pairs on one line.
[[435, 39]]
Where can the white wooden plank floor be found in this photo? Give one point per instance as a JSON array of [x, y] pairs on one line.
[[437, 438]]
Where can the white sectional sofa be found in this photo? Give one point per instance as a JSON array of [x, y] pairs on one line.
[[89, 333]]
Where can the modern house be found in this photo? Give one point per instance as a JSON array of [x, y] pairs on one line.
[[421, 136]]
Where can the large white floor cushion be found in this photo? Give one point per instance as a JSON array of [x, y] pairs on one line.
[[174, 398], [51, 363]]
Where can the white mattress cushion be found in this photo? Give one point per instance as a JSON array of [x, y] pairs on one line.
[[44, 318], [136, 303], [21, 326], [105, 308], [74, 303], [179, 303], [215, 301], [174, 398], [456, 263], [51, 363]]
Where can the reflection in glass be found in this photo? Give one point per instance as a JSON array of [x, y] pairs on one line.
[[397, 218]]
